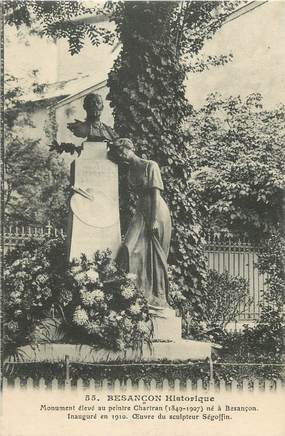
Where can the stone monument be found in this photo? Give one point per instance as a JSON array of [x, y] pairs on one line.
[[94, 225], [94, 222]]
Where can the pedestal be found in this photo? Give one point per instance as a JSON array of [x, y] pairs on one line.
[[167, 326], [94, 224]]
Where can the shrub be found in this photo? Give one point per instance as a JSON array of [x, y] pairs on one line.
[[96, 303], [264, 343], [108, 309], [36, 277], [223, 298]]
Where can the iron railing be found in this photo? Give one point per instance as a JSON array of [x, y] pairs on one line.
[[237, 257]]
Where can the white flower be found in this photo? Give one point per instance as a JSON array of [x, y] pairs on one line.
[[80, 316], [80, 277], [135, 309], [127, 293], [20, 288], [7, 272], [92, 275], [143, 327], [87, 298], [93, 327], [98, 295], [21, 274], [112, 315], [16, 297], [128, 323], [42, 278], [12, 326], [76, 269], [17, 262], [131, 276]]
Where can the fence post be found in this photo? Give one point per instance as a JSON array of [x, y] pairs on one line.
[[67, 371], [49, 228], [211, 372]]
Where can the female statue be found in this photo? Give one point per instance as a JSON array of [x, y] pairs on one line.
[[146, 245]]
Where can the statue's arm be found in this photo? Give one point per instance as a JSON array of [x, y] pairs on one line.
[[155, 197]]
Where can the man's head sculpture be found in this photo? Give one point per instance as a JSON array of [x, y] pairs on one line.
[[92, 128], [93, 105]]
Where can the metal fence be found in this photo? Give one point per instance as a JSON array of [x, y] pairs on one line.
[[237, 257], [15, 234]]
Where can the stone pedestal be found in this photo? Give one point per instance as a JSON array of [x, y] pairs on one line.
[[167, 326], [94, 224], [183, 350]]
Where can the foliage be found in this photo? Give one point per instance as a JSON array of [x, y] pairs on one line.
[[190, 24], [269, 332], [36, 186], [66, 147], [116, 370], [261, 344], [55, 19], [97, 304], [264, 342], [144, 371], [237, 152], [109, 309], [36, 277], [271, 262], [224, 296]]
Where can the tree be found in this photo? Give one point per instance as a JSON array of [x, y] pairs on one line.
[[238, 158], [148, 98], [160, 43], [36, 182]]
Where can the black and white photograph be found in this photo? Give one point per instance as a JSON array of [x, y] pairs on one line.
[[142, 217]]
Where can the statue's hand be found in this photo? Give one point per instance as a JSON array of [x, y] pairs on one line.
[[154, 227], [78, 128]]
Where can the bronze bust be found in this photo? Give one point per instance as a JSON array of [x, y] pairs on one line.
[[92, 128]]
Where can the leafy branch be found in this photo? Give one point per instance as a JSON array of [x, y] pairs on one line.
[[66, 147]]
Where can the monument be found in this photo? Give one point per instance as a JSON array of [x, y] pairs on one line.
[[94, 222]]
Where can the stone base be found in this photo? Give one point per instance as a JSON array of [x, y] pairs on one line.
[[167, 326], [183, 350]]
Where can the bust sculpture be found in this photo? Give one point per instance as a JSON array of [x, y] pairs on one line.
[[92, 128]]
